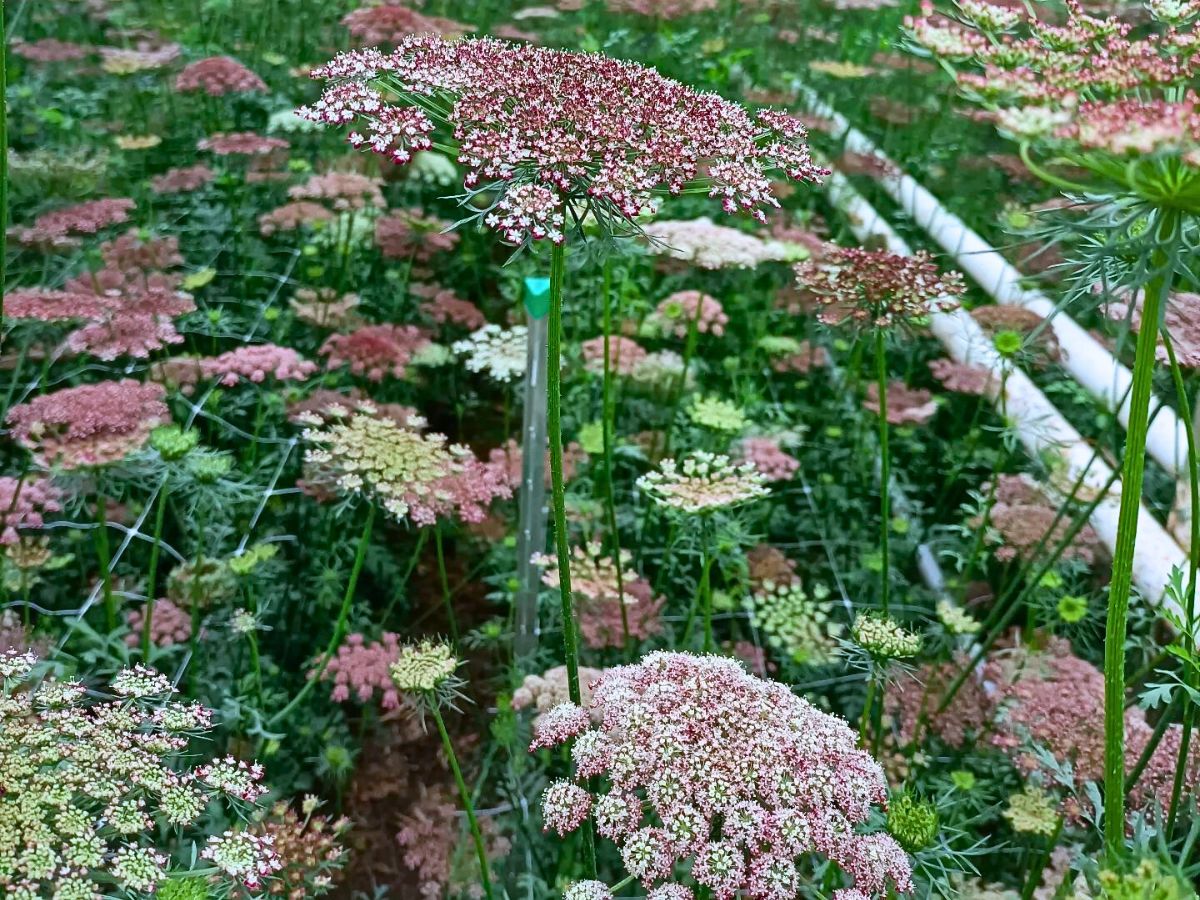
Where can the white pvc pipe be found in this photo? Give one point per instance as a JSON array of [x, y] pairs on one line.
[[1089, 362], [1040, 426]]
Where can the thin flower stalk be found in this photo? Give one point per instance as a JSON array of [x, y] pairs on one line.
[[608, 423], [465, 794], [570, 627], [885, 474], [1189, 598], [152, 571], [339, 629]]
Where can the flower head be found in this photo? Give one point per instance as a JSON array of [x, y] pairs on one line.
[[682, 311], [89, 425], [875, 288], [24, 504], [796, 622], [500, 352], [90, 785], [218, 75], [703, 483], [717, 414], [374, 351], [411, 474], [254, 362], [884, 638], [553, 130], [424, 668], [744, 776]]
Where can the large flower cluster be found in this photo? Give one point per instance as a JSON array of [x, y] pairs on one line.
[[413, 234], [89, 425], [341, 190], [624, 354], [128, 307], [374, 351], [797, 623], [361, 668], [60, 229], [88, 786], [1054, 700], [876, 288], [769, 458], [391, 23], [412, 475], [1082, 86], [703, 483], [257, 362], [308, 848], [500, 352], [710, 246], [554, 129], [708, 764], [682, 311], [218, 75]]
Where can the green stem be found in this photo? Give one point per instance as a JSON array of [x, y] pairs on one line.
[[468, 806], [422, 537], [152, 573], [559, 503], [3, 161], [104, 557], [706, 599], [1132, 471], [339, 629], [445, 583], [610, 488], [558, 271], [885, 472], [1189, 598], [864, 724], [252, 639]]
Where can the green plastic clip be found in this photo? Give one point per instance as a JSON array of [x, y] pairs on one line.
[[537, 297]]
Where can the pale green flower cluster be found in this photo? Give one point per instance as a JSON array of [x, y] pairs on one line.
[[796, 623], [884, 638], [423, 668], [89, 789], [717, 414]]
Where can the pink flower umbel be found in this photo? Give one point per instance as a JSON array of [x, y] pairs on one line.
[[182, 180], [23, 504], [374, 351], [218, 75], [89, 425], [60, 228], [391, 23], [559, 134], [257, 362], [360, 669], [736, 774]]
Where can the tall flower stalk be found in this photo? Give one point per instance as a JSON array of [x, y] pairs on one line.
[[1132, 470]]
